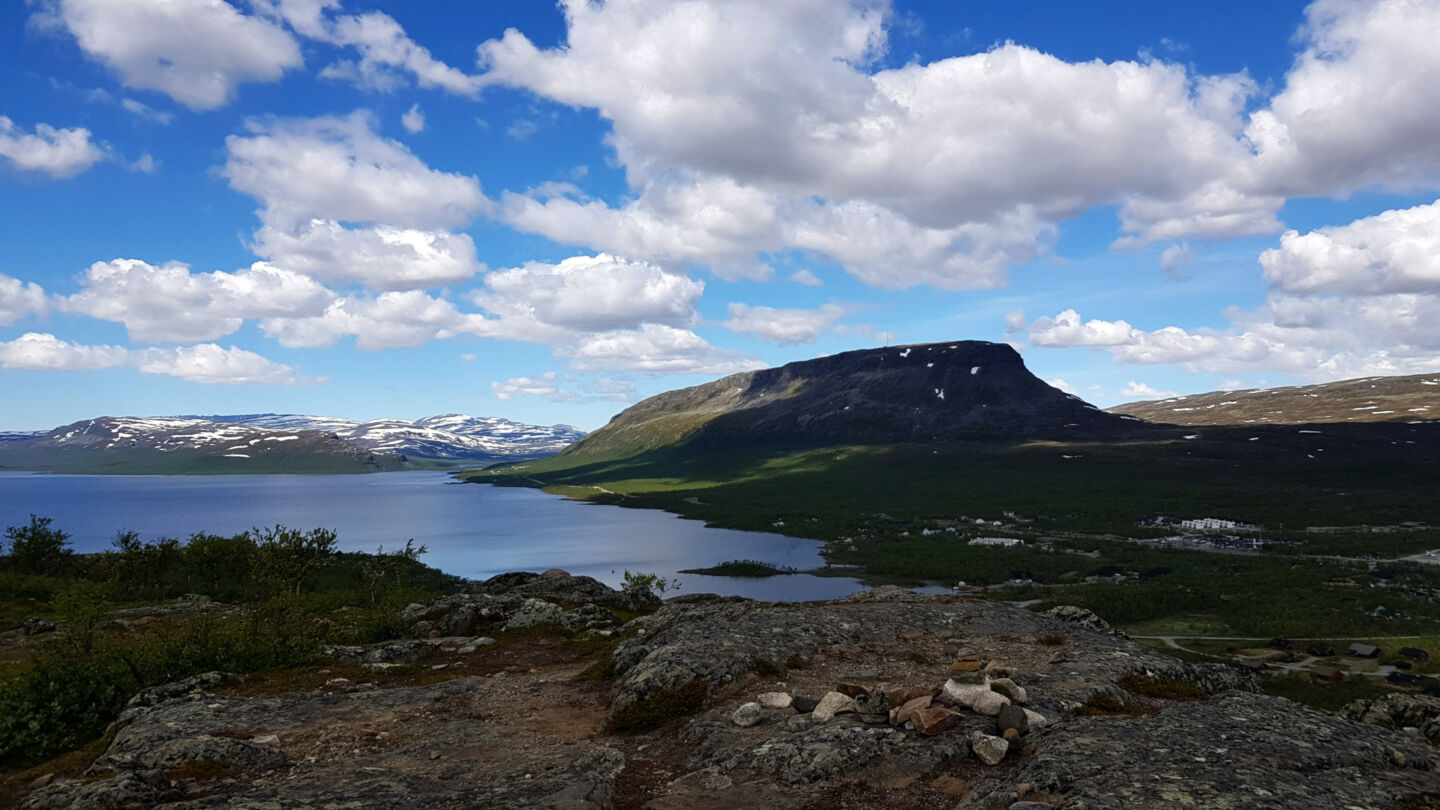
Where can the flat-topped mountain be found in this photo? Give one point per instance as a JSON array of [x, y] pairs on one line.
[[1368, 399], [926, 392], [274, 443]]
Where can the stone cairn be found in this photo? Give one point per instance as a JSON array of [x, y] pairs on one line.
[[974, 687]]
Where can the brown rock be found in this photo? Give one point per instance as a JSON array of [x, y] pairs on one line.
[[936, 720], [1009, 689], [832, 704], [1011, 735], [908, 711], [901, 696], [951, 786], [852, 689], [965, 666]]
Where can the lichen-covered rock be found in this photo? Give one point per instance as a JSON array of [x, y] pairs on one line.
[[990, 703], [748, 714], [589, 617], [963, 694], [312, 750], [1083, 617], [35, 626], [988, 748], [1236, 750], [535, 613], [829, 750], [561, 588], [774, 700], [718, 640], [129, 790], [1398, 710]]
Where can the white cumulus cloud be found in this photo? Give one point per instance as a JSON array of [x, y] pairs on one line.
[[964, 164], [339, 169], [380, 257], [41, 351], [195, 51], [1139, 390], [169, 304], [212, 364], [19, 299], [390, 320], [413, 119], [592, 294], [56, 152], [657, 349], [784, 326], [1392, 252]]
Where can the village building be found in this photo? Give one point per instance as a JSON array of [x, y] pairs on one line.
[[1327, 675], [1208, 524], [995, 541], [1415, 653], [1358, 650]]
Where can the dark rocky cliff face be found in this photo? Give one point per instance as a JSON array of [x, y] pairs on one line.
[[926, 392]]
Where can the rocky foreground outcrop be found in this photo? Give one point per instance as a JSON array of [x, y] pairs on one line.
[[884, 699]]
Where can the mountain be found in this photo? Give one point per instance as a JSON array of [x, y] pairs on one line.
[[1369, 399], [448, 437], [927, 392], [276, 443]]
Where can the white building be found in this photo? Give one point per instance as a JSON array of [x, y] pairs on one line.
[[995, 541], [1208, 523]]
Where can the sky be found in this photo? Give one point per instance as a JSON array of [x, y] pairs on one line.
[[548, 212]]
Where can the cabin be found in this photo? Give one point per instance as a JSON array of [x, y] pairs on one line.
[[1358, 650], [1320, 650], [1252, 665], [1402, 678], [1281, 643], [1327, 675], [1415, 654]]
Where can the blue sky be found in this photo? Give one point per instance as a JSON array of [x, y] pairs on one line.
[[369, 209]]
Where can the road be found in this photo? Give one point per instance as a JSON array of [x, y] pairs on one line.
[[1303, 665]]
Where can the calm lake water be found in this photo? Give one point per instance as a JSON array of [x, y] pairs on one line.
[[472, 530]]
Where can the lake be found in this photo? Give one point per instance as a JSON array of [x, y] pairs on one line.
[[471, 530]]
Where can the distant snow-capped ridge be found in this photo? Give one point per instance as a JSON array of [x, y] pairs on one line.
[[446, 436]]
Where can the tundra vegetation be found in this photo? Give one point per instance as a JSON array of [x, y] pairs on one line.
[[273, 597], [1075, 507]]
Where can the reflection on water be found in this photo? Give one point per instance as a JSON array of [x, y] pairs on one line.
[[471, 530]]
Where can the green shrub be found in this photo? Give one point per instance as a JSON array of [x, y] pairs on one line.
[[37, 548], [766, 668], [660, 708], [1166, 688]]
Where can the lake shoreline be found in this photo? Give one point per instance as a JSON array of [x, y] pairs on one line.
[[471, 532]]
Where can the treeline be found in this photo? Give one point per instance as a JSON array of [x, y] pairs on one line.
[[36, 560], [290, 592]]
